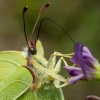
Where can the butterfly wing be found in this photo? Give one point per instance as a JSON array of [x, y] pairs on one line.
[[14, 78]]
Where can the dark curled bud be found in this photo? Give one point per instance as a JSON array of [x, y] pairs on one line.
[[92, 97]]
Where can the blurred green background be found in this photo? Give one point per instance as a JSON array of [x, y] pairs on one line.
[[80, 18]]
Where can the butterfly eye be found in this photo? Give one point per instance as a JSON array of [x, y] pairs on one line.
[[32, 50], [32, 47]]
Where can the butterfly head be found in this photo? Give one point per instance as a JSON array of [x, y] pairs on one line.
[[31, 50]]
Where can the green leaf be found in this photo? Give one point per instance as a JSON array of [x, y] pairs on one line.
[[46, 92]]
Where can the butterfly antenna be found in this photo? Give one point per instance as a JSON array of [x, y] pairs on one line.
[[24, 10], [42, 9], [57, 25]]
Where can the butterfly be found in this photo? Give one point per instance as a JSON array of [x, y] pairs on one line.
[[27, 75]]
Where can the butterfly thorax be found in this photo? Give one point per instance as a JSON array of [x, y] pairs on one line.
[[37, 62]]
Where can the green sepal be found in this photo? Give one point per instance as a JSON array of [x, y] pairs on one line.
[[96, 73]]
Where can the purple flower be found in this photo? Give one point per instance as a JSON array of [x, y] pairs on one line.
[[85, 64]]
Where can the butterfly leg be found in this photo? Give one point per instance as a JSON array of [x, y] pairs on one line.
[[63, 55], [55, 67], [52, 61]]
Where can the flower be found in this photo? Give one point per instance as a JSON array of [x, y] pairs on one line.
[[85, 62]]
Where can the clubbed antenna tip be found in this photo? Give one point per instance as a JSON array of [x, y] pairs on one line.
[[24, 10], [45, 6], [48, 4], [41, 10]]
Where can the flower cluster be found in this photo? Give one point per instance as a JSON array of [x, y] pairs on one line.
[[85, 66]]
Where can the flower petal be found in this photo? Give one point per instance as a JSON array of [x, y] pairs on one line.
[[86, 50], [70, 68], [73, 59], [90, 58], [78, 54], [74, 79], [73, 71]]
